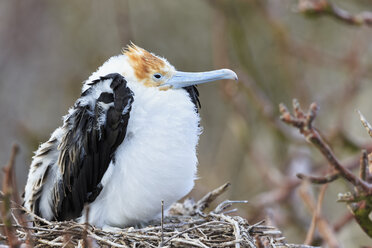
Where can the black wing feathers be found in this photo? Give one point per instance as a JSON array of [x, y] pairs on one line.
[[194, 95], [89, 146]]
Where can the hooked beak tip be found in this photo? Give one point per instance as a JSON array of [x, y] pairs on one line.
[[236, 77], [230, 74]]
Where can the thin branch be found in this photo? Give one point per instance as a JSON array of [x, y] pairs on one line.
[[320, 180], [8, 196], [363, 165], [365, 123], [211, 196], [324, 228], [316, 216], [370, 164], [325, 7], [162, 224], [304, 123], [86, 240], [187, 230]]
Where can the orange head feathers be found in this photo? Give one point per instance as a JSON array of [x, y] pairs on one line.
[[148, 68], [154, 71]]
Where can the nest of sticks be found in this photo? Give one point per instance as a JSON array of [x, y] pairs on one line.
[[187, 225]]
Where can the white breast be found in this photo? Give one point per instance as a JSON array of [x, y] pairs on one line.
[[157, 160]]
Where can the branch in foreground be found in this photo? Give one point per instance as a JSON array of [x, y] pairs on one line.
[[304, 122], [7, 197], [325, 7], [360, 202]]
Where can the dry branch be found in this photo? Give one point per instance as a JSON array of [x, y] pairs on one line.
[[8, 195], [320, 180], [359, 202], [304, 122], [325, 7]]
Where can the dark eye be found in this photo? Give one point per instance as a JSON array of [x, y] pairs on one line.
[[158, 76]]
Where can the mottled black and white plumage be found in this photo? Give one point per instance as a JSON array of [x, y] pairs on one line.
[[127, 143]]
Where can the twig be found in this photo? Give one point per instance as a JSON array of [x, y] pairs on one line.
[[300, 246], [187, 230], [34, 216], [204, 202], [304, 123], [365, 123], [331, 177], [324, 7], [86, 243], [370, 163], [96, 237], [363, 165], [234, 224], [190, 242], [50, 243], [320, 180], [316, 216], [9, 190], [162, 223], [11, 197], [366, 162], [224, 205], [323, 226]]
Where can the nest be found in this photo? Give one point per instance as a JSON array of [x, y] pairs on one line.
[[188, 225]]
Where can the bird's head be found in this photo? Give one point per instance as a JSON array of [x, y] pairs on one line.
[[154, 71]]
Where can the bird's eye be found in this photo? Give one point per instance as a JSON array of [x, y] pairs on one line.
[[157, 76]]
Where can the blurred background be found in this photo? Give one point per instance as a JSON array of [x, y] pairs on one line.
[[48, 48]]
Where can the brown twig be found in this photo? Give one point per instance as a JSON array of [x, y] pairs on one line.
[[316, 216], [304, 122], [325, 7], [162, 223], [86, 241], [324, 228], [8, 197], [203, 203], [369, 164], [363, 165], [331, 177], [365, 123], [319, 180]]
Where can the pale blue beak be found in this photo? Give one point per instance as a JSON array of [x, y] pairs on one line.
[[183, 79]]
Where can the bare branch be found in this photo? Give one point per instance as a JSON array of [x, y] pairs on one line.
[[324, 228], [8, 196], [316, 216], [363, 165], [325, 7], [320, 180], [365, 123], [304, 122], [211, 196]]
